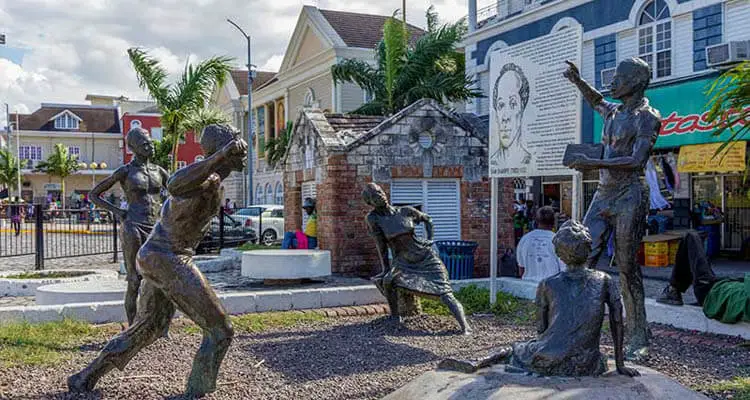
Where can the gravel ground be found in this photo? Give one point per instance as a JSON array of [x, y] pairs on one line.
[[346, 358]]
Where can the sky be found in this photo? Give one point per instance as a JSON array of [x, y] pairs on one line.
[[58, 51]]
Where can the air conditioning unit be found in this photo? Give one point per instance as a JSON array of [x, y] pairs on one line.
[[727, 53], [607, 75]]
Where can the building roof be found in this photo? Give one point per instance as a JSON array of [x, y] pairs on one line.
[[154, 109], [239, 76], [362, 30], [100, 119]]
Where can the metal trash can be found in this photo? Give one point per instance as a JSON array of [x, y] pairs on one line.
[[458, 257]]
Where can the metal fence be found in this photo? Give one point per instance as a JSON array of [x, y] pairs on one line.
[[51, 234]]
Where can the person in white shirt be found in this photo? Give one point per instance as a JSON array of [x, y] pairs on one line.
[[535, 253]]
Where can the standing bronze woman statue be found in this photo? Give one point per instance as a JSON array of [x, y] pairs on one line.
[[415, 266], [142, 183]]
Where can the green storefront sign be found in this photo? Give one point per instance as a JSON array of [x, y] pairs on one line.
[[683, 111]]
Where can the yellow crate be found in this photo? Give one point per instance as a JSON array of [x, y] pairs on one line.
[[657, 254]]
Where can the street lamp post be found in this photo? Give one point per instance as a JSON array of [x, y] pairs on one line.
[[250, 135]]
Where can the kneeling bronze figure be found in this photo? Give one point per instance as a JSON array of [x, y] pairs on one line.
[[415, 268]]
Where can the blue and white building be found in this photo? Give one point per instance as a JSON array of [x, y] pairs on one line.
[[687, 43]]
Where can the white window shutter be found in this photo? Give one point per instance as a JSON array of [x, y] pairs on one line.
[[444, 206], [409, 193]]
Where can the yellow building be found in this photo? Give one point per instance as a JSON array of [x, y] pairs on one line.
[[90, 132]]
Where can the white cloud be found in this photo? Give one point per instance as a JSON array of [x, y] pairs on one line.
[[76, 47]]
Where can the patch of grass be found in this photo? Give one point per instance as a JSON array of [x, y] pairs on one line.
[[740, 386], [47, 343], [251, 246], [47, 275], [260, 322], [476, 300]]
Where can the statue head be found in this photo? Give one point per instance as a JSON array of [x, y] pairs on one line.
[[573, 244], [632, 77], [140, 143], [214, 137], [509, 99], [374, 196]]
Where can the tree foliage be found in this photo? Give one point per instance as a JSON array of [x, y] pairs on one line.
[[276, 148], [729, 105], [403, 74], [9, 169], [59, 164], [179, 102]]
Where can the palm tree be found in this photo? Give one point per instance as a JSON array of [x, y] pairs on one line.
[[276, 148], [432, 68], [9, 169], [178, 101], [729, 105], [60, 164], [204, 117]]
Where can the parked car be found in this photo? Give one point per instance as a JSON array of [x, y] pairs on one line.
[[235, 234], [265, 218]]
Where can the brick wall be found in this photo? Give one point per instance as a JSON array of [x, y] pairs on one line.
[[393, 153]]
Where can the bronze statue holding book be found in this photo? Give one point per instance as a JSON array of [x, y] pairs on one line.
[[620, 203]]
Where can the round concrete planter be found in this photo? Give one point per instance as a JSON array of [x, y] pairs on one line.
[[81, 292], [27, 287], [286, 264]]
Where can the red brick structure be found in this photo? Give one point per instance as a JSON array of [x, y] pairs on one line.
[[338, 154]]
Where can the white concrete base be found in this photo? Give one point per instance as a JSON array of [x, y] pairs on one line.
[[235, 303], [286, 264], [27, 287], [81, 292], [496, 384]]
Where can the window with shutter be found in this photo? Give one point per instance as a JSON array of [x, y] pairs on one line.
[[438, 198]]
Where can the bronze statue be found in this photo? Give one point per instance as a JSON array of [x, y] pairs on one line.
[[415, 267], [171, 278], [620, 203], [142, 183], [570, 312]]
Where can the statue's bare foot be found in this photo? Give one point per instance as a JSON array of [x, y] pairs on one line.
[[81, 382], [464, 366]]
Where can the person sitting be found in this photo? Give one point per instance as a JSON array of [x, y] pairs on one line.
[[311, 229], [535, 254], [307, 239], [725, 300], [570, 313]]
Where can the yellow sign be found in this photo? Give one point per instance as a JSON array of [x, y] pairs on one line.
[[700, 158]]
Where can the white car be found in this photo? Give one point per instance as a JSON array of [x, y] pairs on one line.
[[265, 218]]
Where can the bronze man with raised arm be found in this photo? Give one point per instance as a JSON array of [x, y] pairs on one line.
[[620, 203], [142, 182], [171, 278]]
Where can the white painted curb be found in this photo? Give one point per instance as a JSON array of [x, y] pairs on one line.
[[235, 303]]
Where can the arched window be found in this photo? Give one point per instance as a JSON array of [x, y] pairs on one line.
[[279, 193], [259, 194], [309, 98], [655, 37], [269, 193], [135, 124], [198, 158]]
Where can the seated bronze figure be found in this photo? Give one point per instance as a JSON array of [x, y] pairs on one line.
[[415, 267], [570, 312]]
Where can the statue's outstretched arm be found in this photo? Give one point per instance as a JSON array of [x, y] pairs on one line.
[[192, 177], [95, 196]]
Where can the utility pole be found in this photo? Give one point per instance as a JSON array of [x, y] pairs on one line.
[[18, 153], [250, 135], [403, 10]]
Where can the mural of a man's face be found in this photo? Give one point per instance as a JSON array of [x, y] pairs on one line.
[[509, 107]]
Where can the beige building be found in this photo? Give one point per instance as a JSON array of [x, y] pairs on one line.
[[320, 39], [90, 132]]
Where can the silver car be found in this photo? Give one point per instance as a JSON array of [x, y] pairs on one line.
[[265, 218]]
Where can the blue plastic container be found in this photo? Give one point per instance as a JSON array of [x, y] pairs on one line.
[[458, 257]]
